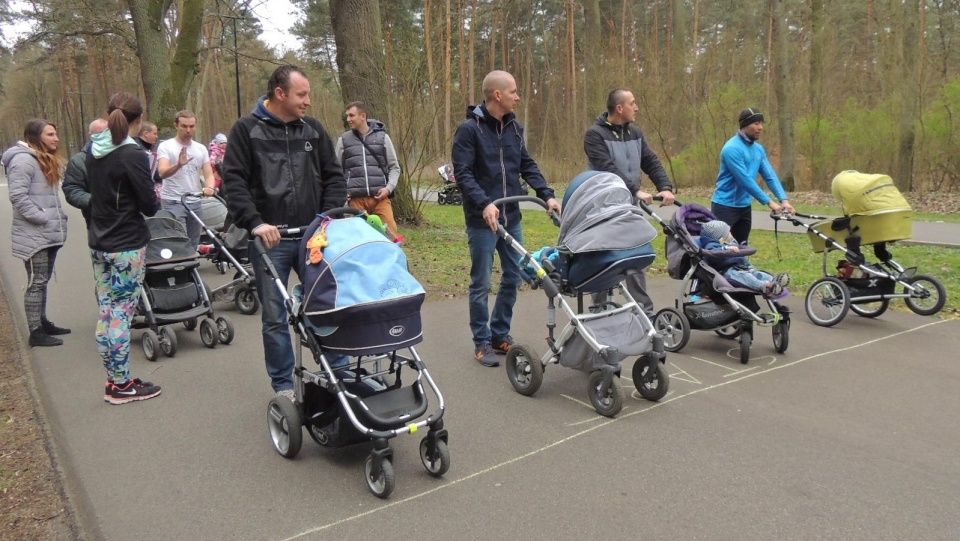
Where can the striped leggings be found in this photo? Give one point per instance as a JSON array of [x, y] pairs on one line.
[[39, 270], [117, 278]]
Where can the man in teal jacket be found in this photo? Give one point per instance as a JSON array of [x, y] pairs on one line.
[[741, 159]]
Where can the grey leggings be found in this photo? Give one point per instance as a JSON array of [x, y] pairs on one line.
[[39, 269]]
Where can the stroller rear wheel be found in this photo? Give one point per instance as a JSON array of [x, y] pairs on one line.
[[928, 296], [674, 327], [524, 369], [436, 461], [168, 341], [286, 432], [607, 403], [651, 383], [150, 344], [827, 302], [381, 485]]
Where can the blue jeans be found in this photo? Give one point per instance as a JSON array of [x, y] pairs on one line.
[[483, 243], [277, 348], [750, 278], [180, 211]]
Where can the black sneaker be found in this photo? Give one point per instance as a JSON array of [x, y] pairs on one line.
[[40, 338], [52, 329], [502, 345], [134, 390], [485, 355]]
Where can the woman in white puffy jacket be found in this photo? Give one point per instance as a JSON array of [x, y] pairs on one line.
[[34, 170]]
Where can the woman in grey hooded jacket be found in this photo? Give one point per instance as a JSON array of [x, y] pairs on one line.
[[34, 169]]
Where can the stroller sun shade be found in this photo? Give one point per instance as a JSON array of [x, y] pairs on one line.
[[603, 232], [168, 241]]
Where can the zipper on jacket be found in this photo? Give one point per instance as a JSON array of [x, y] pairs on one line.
[[363, 155], [503, 171], [293, 184]]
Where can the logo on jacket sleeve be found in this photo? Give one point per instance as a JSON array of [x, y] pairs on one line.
[[307, 146]]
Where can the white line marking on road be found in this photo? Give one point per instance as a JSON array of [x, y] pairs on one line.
[[674, 376], [738, 372], [606, 422], [725, 367], [582, 403]]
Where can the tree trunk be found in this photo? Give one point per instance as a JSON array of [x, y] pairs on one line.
[[447, 76], [784, 111], [817, 51], [431, 80], [909, 93], [360, 52]]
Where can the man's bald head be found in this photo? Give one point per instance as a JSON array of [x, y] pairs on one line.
[[97, 126], [496, 80]]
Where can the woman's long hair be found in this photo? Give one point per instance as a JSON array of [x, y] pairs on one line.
[[51, 163], [124, 109]]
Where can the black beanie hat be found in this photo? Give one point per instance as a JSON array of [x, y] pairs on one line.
[[749, 116]]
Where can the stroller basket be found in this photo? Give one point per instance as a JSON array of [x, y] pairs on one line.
[[621, 330]]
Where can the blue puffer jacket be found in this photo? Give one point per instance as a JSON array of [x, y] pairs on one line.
[[489, 158]]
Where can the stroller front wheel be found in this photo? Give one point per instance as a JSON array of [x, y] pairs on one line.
[[781, 336], [247, 301], [150, 344], [524, 369], [168, 341], [651, 382], [827, 302], [225, 331], [286, 433], [436, 462], [928, 296], [607, 403], [381, 485], [208, 332]]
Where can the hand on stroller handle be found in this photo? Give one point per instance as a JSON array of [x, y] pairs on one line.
[[529, 199], [646, 208], [199, 195]]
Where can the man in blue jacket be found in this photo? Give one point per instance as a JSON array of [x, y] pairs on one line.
[[741, 159], [489, 158]]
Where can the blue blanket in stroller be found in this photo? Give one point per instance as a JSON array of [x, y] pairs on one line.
[[359, 297]]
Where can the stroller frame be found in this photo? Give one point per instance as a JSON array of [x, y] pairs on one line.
[[525, 368], [242, 290], [386, 414], [741, 318], [868, 294]]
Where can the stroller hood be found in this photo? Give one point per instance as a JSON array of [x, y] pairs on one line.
[[599, 214], [864, 194], [168, 241]]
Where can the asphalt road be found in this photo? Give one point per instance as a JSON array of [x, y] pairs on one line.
[[851, 434]]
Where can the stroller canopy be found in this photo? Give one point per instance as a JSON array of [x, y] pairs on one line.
[[599, 214], [866, 194], [168, 241]]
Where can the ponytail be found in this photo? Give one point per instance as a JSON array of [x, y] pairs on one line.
[[118, 126], [124, 109]]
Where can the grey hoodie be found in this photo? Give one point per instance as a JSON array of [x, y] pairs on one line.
[[38, 218]]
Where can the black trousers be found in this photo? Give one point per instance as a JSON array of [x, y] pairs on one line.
[[740, 220]]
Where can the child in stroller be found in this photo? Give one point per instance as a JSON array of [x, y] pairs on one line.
[[708, 300], [358, 301], [603, 237], [715, 238]]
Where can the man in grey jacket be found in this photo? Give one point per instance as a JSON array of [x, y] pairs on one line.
[[76, 188], [370, 165], [613, 143]]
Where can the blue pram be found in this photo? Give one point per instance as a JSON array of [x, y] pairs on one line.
[[603, 237], [358, 314]]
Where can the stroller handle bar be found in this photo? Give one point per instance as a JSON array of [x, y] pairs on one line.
[[199, 195], [529, 199], [792, 217], [646, 208]]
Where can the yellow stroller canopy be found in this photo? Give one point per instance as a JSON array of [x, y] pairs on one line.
[[865, 194]]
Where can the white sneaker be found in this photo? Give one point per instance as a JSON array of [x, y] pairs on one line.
[[289, 394]]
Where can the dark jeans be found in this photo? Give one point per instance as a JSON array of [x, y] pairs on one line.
[[740, 220], [483, 244], [277, 348]]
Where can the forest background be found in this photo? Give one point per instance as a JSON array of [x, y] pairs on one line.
[[870, 85]]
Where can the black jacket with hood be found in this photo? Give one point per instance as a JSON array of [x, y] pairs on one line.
[[489, 158], [280, 173], [623, 151]]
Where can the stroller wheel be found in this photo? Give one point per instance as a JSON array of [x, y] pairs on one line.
[[381, 485], [524, 369], [746, 339], [221, 266], [441, 199], [827, 302], [168, 342], [674, 327], [781, 335], [208, 332], [928, 296], [150, 344], [436, 462], [651, 382], [247, 301], [190, 324], [729, 332], [608, 403], [225, 331], [870, 309], [286, 433]]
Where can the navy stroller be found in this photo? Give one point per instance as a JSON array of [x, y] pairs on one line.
[[358, 301], [603, 237]]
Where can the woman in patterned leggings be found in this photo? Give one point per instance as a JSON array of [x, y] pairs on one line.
[[39, 224], [117, 236]]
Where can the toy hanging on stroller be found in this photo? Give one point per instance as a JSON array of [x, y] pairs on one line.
[[449, 192], [356, 300], [229, 244], [708, 300], [174, 293], [603, 237], [875, 214]]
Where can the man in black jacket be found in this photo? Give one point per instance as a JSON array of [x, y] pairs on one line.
[[280, 172], [76, 187], [613, 143]]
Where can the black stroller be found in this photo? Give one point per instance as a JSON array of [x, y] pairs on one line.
[[449, 192], [603, 237], [708, 301], [174, 293], [229, 244], [357, 300]]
